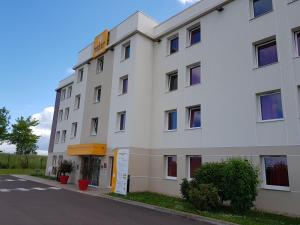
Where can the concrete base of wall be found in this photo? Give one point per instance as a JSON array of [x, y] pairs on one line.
[[147, 172]]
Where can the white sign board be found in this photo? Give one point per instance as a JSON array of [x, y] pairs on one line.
[[122, 171]]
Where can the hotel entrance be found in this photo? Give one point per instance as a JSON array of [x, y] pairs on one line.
[[90, 156], [92, 164]]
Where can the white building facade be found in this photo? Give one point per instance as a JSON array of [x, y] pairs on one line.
[[220, 79]]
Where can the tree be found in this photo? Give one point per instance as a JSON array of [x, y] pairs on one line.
[[4, 123], [23, 137]]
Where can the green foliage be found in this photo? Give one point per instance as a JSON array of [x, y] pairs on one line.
[[205, 197], [66, 167], [185, 188], [4, 123], [241, 183], [235, 179], [13, 161], [213, 173], [23, 137]]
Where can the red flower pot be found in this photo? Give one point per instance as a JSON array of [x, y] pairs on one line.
[[63, 179], [83, 185]]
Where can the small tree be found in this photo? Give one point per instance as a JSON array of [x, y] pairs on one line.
[[23, 137], [66, 167], [4, 123]]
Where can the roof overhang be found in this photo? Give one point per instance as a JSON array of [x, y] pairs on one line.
[[87, 149]]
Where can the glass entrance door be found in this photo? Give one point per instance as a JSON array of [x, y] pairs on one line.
[[92, 163], [95, 163]]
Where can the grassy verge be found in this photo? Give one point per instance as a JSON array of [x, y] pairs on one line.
[[13, 161], [42, 176], [16, 171], [250, 218]]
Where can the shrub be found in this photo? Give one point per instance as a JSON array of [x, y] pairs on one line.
[[3, 166], [235, 180], [185, 188], [241, 183], [213, 173], [65, 167], [205, 197]]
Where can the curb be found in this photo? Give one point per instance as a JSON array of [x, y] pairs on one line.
[[169, 211], [130, 202]]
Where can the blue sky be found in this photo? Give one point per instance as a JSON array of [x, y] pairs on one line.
[[40, 40]]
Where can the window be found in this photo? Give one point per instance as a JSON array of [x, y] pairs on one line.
[[60, 115], [194, 117], [74, 130], [261, 7], [194, 35], [94, 126], [126, 51], [171, 167], [63, 136], [54, 158], [60, 159], [171, 120], [100, 64], [275, 169], [97, 94], [69, 94], [194, 163], [124, 85], [67, 110], [173, 45], [194, 75], [80, 75], [77, 102], [172, 79], [121, 120], [57, 137], [297, 38], [270, 106], [63, 94], [266, 53]]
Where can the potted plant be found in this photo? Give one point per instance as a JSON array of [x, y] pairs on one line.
[[65, 168], [83, 183]]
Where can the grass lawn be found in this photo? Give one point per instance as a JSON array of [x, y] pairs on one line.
[[17, 171], [250, 218]]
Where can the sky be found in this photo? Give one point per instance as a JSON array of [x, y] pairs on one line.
[[39, 43]]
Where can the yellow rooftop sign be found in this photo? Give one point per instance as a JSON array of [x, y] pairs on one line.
[[100, 43]]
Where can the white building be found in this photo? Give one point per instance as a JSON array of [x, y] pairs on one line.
[[218, 80]]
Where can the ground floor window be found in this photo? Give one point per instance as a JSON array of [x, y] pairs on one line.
[[276, 171], [171, 166], [194, 163]]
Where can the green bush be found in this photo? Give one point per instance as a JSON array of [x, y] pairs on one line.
[[213, 173], [65, 167], [185, 188], [205, 197], [236, 181], [241, 183]]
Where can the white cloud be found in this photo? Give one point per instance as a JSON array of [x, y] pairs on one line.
[[43, 130], [45, 119], [185, 2], [69, 71], [5, 147]]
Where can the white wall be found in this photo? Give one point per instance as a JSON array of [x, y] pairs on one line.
[[227, 93]]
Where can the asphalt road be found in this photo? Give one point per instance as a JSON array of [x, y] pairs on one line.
[[30, 203]]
